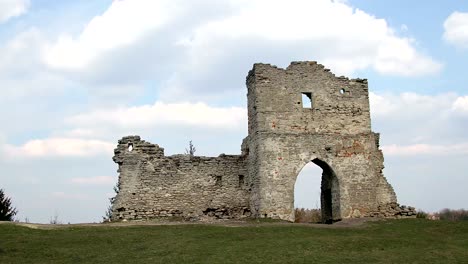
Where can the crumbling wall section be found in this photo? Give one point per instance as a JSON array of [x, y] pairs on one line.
[[154, 185]]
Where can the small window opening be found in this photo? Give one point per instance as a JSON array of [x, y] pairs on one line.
[[241, 180], [307, 100], [218, 180], [130, 147], [342, 91]]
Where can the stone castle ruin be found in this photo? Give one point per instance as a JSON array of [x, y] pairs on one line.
[[297, 115]]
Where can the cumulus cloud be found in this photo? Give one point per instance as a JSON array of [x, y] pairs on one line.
[[161, 114], [123, 23], [344, 38], [397, 106], [184, 52], [184, 49], [398, 56], [456, 29], [427, 124], [97, 180], [59, 147], [461, 105], [440, 121], [12, 8], [23, 72]]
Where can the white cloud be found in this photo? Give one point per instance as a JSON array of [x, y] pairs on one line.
[[160, 114], [97, 180], [397, 56], [342, 37], [412, 123], [425, 149], [456, 29], [380, 105], [12, 8], [59, 147], [22, 69], [398, 106], [122, 24], [461, 105]]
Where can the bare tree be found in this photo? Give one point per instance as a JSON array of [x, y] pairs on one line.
[[191, 150], [7, 211], [55, 219]]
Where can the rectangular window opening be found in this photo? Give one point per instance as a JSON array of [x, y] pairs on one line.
[[241, 180], [307, 100]]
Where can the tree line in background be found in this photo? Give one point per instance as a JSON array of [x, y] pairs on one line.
[[303, 215], [445, 214]]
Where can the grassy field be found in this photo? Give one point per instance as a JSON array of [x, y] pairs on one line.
[[396, 241]]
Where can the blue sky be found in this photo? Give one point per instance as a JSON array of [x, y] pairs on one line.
[[76, 76]]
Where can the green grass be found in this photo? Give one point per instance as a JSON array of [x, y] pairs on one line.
[[396, 241]]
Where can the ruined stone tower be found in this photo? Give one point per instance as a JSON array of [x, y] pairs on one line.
[[304, 113], [296, 115]]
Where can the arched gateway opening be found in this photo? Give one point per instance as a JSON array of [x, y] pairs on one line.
[[311, 191]]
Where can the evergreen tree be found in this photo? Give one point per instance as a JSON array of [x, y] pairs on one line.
[[7, 212], [108, 216]]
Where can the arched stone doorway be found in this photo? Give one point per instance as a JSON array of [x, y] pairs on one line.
[[329, 191]]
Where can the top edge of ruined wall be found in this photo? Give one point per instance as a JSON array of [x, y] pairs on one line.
[[135, 145], [295, 64]]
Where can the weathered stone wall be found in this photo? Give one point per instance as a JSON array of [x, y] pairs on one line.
[[153, 185], [275, 104], [335, 133]]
